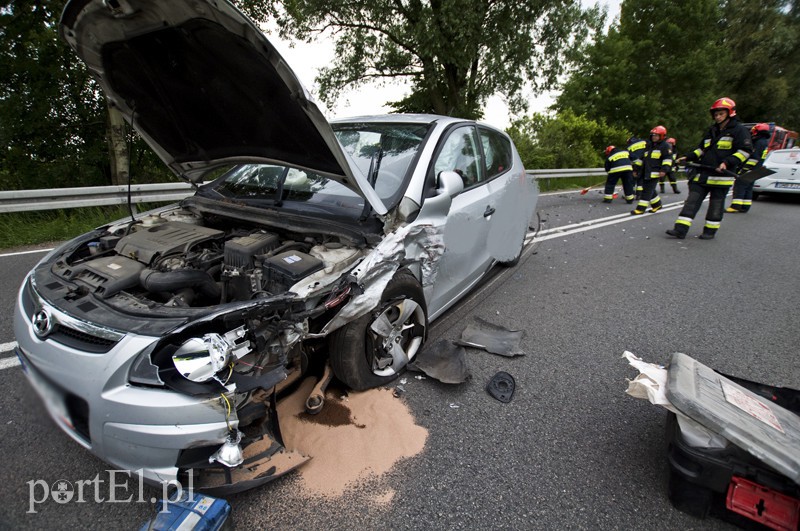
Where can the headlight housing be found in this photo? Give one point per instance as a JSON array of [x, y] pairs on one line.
[[199, 359]]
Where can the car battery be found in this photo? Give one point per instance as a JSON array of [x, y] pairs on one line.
[[288, 268], [189, 511], [734, 450]]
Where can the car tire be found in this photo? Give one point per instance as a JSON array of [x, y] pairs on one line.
[[358, 352]]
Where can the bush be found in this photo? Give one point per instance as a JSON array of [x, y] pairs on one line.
[[563, 141]]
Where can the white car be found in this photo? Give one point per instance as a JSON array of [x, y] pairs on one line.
[[786, 179], [162, 343]]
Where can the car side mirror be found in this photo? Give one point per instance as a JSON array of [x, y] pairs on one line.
[[449, 183]]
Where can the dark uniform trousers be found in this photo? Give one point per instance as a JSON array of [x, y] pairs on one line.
[[716, 206]]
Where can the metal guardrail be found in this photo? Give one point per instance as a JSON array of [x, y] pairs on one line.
[[55, 198]]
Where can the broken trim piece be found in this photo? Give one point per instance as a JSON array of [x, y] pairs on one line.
[[501, 387]]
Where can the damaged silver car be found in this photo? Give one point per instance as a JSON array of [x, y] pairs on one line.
[[164, 341]]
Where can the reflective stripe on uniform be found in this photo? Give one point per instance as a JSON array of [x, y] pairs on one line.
[[620, 155], [608, 196], [741, 155], [737, 202], [630, 197], [725, 143], [627, 167], [683, 220], [636, 146], [718, 181], [642, 205], [712, 224], [655, 201]]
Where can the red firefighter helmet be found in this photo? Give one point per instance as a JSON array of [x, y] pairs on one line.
[[671, 140], [659, 130], [609, 149], [759, 128], [724, 104]]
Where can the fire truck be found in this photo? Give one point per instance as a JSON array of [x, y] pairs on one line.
[[779, 137]]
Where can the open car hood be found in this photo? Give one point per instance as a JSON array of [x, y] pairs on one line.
[[203, 86]]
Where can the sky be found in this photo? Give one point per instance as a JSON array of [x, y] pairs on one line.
[[306, 59]]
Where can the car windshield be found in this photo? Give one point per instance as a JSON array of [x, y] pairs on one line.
[[287, 187], [383, 152]]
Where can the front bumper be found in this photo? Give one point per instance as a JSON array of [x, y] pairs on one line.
[[89, 397]]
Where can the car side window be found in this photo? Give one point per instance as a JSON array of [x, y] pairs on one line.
[[497, 150], [461, 153]]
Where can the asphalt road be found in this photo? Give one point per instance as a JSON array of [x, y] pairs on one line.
[[571, 451]]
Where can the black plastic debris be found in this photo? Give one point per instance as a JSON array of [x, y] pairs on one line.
[[501, 387], [443, 361], [492, 338]]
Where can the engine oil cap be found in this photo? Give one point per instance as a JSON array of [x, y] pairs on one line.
[[501, 387]]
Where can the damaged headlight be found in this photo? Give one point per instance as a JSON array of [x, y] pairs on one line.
[[143, 372], [199, 359]]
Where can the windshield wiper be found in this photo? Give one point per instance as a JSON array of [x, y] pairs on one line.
[[279, 187], [372, 177], [375, 166]]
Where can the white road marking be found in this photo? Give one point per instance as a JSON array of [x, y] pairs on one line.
[[7, 363], [575, 228], [20, 253], [7, 347]]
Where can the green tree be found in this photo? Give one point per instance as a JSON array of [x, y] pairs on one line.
[[454, 53], [54, 123], [658, 65], [563, 141], [52, 119], [762, 37]]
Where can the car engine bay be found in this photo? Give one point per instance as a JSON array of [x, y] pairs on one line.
[[179, 259]]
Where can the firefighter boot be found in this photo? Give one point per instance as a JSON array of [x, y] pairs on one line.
[[707, 235], [675, 189], [661, 186], [641, 208], [681, 228]]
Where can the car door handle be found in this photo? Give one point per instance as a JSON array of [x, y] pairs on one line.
[[488, 212]]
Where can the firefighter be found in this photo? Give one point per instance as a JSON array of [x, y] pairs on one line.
[[618, 165], [656, 162], [636, 148], [743, 191], [671, 173], [725, 146]]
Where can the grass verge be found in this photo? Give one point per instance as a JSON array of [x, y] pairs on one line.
[[19, 229]]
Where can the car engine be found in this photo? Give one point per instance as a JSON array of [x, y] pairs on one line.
[[178, 261]]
